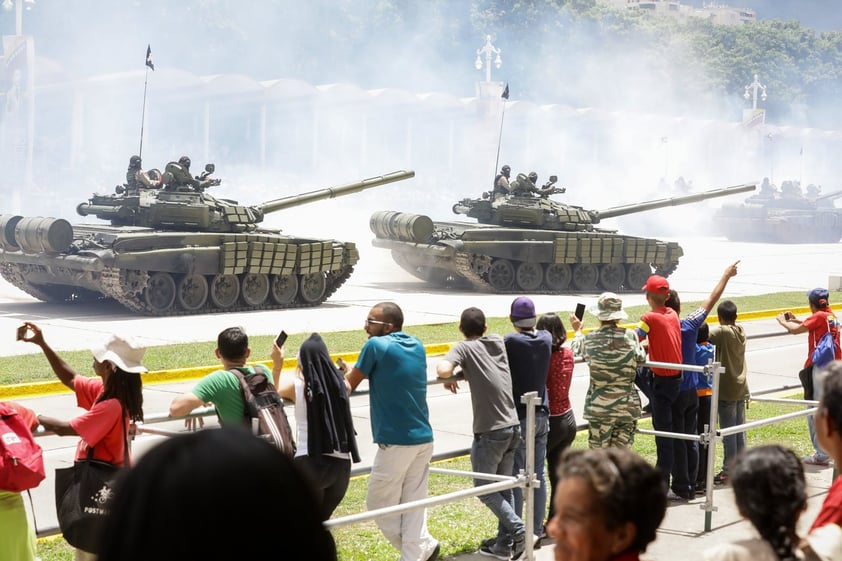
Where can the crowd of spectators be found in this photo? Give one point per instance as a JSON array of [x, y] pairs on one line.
[[604, 503]]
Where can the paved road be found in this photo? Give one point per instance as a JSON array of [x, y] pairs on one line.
[[764, 268]]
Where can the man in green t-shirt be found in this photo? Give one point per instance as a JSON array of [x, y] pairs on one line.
[[221, 387]]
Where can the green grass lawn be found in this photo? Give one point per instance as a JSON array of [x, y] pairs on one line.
[[461, 525], [33, 367]]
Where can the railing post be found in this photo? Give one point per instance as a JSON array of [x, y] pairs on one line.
[[532, 401], [715, 369]]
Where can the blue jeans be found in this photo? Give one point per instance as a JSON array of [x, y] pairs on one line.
[[732, 413], [818, 383], [494, 452], [542, 428], [664, 393], [685, 413]]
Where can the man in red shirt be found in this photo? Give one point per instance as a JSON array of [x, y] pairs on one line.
[[661, 327], [821, 320]]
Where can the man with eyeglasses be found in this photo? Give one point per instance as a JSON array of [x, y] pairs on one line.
[[395, 365]]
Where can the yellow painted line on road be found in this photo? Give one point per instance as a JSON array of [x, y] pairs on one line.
[[39, 389], [36, 389]]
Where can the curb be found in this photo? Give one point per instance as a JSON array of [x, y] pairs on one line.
[[54, 387]]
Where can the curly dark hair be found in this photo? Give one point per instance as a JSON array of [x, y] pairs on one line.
[[770, 492], [628, 487]]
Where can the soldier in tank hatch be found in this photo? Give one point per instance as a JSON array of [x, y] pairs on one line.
[[501, 182], [136, 178]]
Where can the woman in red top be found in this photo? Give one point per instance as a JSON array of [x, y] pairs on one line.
[[112, 400], [562, 420]]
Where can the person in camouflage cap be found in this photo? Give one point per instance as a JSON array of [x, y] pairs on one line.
[[612, 404]]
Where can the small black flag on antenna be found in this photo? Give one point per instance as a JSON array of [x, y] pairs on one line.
[[505, 92], [149, 57]]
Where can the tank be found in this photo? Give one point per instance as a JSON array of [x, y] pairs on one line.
[[772, 217], [531, 244], [179, 250]]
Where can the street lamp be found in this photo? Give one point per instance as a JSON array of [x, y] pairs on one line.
[[488, 50], [18, 6], [754, 86]]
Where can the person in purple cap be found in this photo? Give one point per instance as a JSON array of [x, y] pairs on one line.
[[821, 320], [529, 352]]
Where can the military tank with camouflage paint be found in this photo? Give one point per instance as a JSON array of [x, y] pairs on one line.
[[178, 250], [785, 217], [530, 244]]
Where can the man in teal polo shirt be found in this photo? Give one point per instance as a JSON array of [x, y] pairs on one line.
[[221, 387], [395, 365]]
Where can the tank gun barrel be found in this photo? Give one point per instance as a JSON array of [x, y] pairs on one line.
[[829, 196], [671, 201], [338, 191]]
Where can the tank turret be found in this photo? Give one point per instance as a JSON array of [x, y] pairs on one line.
[[179, 250], [531, 244], [545, 213], [196, 210], [785, 216]]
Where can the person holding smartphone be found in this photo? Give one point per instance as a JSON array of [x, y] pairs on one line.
[[613, 353], [326, 440]]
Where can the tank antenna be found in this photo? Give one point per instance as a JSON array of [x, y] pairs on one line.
[[149, 65], [504, 96]]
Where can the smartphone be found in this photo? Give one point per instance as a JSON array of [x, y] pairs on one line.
[[21, 332], [580, 311], [281, 339]]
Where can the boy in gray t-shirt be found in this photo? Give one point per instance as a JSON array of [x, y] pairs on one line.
[[485, 365]]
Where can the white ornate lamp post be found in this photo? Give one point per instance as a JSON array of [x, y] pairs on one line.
[[754, 87], [488, 50]]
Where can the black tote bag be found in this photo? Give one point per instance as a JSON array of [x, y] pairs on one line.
[[84, 493]]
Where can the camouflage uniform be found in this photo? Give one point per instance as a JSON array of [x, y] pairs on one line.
[[612, 405]]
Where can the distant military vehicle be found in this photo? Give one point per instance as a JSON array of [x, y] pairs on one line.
[[786, 217], [530, 244], [178, 250]]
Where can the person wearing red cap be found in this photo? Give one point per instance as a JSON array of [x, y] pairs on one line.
[[821, 320], [661, 328]]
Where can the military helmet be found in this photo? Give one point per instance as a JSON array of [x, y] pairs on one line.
[[533, 177], [185, 161], [505, 169], [134, 162]]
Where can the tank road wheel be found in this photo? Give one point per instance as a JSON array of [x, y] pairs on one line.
[[611, 276], [636, 275], [585, 276], [160, 292], [283, 288], [224, 290], [313, 287], [529, 276], [557, 276], [192, 292], [255, 288], [501, 275]]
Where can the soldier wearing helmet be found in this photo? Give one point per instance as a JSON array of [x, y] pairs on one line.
[[182, 180], [136, 178], [526, 185], [501, 183]]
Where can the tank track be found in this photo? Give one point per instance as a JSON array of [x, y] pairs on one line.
[[14, 275], [463, 265], [129, 293]]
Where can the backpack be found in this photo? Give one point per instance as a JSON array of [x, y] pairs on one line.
[[825, 350], [21, 458], [265, 409]]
